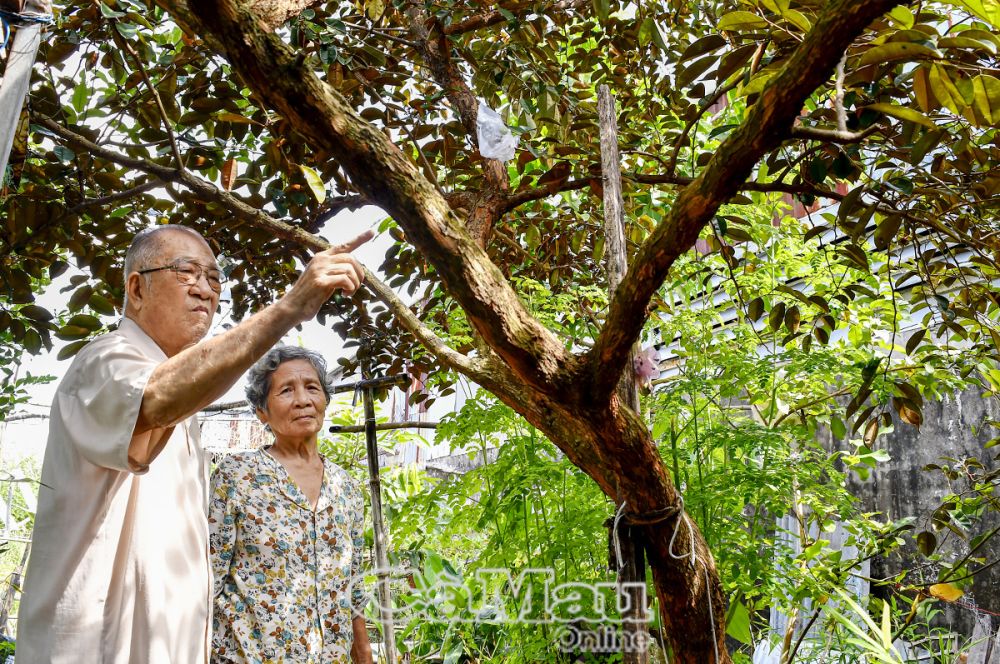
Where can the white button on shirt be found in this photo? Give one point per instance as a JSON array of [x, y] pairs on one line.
[[119, 570]]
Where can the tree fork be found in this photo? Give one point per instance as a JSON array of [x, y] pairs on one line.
[[592, 426]]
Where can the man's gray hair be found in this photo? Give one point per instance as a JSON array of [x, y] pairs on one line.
[[146, 246], [259, 376]]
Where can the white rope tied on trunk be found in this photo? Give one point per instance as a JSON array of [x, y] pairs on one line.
[[691, 555]]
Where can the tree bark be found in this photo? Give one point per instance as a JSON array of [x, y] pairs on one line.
[[273, 13]]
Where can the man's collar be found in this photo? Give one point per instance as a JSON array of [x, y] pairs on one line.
[[134, 332]]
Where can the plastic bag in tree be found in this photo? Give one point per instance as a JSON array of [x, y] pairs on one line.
[[495, 139]]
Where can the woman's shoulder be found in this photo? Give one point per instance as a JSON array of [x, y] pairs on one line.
[[234, 463]]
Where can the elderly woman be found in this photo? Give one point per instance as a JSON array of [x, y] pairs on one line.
[[286, 531]]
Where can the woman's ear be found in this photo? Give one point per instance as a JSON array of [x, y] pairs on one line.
[[261, 415]]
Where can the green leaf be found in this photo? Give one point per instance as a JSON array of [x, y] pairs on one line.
[[532, 237], [72, 332], [914, 341], [454, 653], [797, 18], [838, 428], [792, 319], [32, 342], [962, 42], [922, 90], [374, 9], [886, 231], [738, 623], [81, 93], [814, 549], [898, 51], [35, 312], [69, 350], [101, 304], [777, 316], [108, 12], [902, 113], [945, 91], [85, 321], [704, 45], [235, 118], [758, 82], [741, 20], [987, 96], [903, 16], [885, 630], [926, 542], [649, 31], [315, 183]]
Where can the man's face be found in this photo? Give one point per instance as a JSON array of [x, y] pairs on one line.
[[174, 314]]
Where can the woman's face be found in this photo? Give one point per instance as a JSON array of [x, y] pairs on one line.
[[296, 403]]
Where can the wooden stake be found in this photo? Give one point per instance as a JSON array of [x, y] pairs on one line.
[[634, 631], [378, 527]]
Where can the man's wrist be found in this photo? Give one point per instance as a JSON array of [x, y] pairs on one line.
[[286, 311]]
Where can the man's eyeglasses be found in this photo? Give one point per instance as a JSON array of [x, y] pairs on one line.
[[188, 273]]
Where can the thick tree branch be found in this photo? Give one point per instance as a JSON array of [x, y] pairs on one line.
[[767, 124], [260, 219], [381, 172], [518, 199]]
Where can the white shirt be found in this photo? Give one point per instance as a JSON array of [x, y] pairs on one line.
[[119, 570]]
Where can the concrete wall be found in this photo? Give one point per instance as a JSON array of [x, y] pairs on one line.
[[953, 427]]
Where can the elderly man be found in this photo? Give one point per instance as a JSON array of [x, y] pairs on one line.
[[119, 568]]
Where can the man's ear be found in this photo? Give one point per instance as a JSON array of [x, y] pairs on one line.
[[135, 290]]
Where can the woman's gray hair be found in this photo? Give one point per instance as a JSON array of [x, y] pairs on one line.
[[259, 376]]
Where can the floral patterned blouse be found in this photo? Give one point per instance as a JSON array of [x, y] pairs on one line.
[[287, 577]]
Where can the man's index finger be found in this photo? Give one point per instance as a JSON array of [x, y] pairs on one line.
[[351, 245]]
